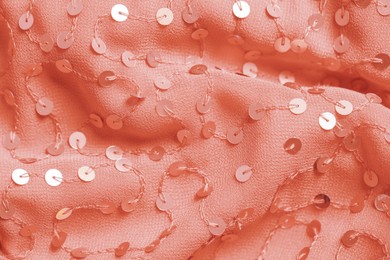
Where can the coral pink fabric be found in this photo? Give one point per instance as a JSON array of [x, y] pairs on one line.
[[75, 97]]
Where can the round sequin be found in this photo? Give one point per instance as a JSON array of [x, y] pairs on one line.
[[114, 153], [321, 201], [362, 3], [20, 177], [208, 129], [86, 173], [313, 228], [58, 239], [282, 44], [119, 13], [341, 17], [77, 140], [292, 145], [107, 208], [352, 142], [341, 44], [44, 107], [323, 164], [286, 77], [382, 202], [162, 83], [299, 45], [7, 210], [64, 213], [199, 34], [217, 226], [349, 238], [189, 15], [357, 204], [164, 108], [243, 173], [64, 66], [98, 45], [250, 69], [203, 105], [205, 191], [303, 254], [157, 153], [297, 106], [384, 61], [96, 120], [55, 149], [256, 111], [235, 135], [184, 137], [26, 21], [344, 107], [75, 7], [286, 221], [114, 122], [123, 164], [274, 10], [128, 59], [316, 21], [241, 9], [153, 59], [11, 141], [327, 121], [332, 64], [79, 253], [164, 202], [164, 16], [198, 69], [370, 178], [374, 98], [65, 40], [177, 168], [122, 249], [127, 205], [235, 40], [9, 97], [46, 43], [383, 7], [106, 78], [53, 177], [252, 55]]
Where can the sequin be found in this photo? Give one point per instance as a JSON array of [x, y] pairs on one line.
[[246, 213], [64, 213], [252, 55], [86, 173], [59, 239], [177, 168], [123, 164], [77, 140], [128, 59], [98, 45], [153, 59], [341, 17], [53, 177], [327, 121], [256, 111], [96, 120], [205, 191], [299, 45], [362, 3], [164, 202], [274, 10], [164, 16], [152, 246], [55, 149], [316, 90], [292, 145], [235, 39], [382, 202], [75, 7], [316, 21], [107, 208], [7, 210], [235, 135], [203, 105], [164, 108], [127, 205], [162, 83], [114, 153], [344, 107], [323, 164], [9, 97], [286, 77], [34, 69], [321, 201], [121, 250], [275, 205], [286, 221], [189, 15], [385, 60], [20, 177], [79, 253], [28, 230], [243, 173], [157, 153], [65, 40], [370, 178], [64, 66], [357, 204], [383, 7], [313, 228], [46, 43], [198, 69], [44, 107], [341, 44], [208, 129], [282, 44], [349, 238], [11, 141], [199, 34], [106, 78], [184, 137], [119, 13], [374, 98], [352, 142], [297, 106], [303, 254], [114, 122], [217, 226], [250, 69], [241, 9], [26, 21]]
